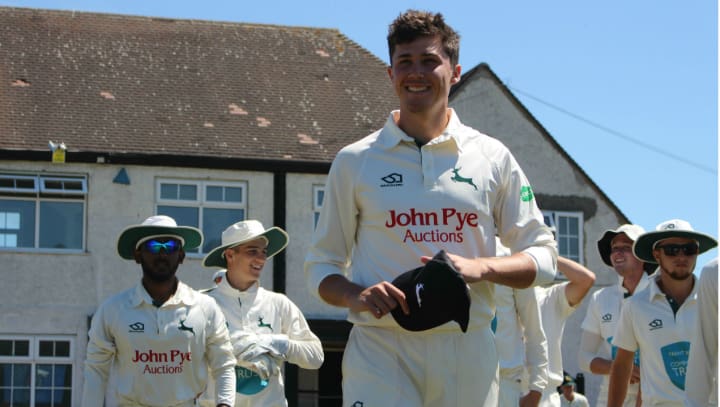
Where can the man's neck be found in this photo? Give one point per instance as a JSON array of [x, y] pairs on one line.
[[678, 290], [423, 126], [160, 291], [631, 281]]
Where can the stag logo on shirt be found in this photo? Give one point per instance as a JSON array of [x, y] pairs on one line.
[[459, 178], [183, 327], [262, 324]]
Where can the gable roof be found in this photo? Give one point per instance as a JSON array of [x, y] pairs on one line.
[[483, 70], [138, 86]]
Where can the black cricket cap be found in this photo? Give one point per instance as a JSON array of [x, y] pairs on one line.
[[436, 293]]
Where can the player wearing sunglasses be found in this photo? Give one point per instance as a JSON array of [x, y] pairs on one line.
[[660, 321], [162, 338]]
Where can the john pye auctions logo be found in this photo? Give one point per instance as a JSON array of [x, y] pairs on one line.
[[171, 362], [445, 217]]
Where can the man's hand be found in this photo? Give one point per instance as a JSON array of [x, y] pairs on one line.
[[378, 299], [532, 399]]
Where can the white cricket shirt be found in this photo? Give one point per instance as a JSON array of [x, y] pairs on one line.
[[162, 356], [389, 202], [647, 323]]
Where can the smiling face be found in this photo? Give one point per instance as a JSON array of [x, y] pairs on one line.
[[422, 75], [622, 258], [245, 263]]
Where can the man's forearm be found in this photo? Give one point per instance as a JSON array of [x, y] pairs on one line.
[[336, 290]]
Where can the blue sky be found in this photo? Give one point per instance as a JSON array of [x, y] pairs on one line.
[[628, 88]]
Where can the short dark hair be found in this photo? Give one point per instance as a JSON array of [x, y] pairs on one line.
[[413, 24]]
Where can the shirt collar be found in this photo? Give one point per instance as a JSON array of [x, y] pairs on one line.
[[657, 294], [225, 288], [183, 295], [391, 135]]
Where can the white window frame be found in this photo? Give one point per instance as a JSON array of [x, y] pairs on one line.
[[551, 219], [34, 359], [201, 202], [318, 191], [40, 192]]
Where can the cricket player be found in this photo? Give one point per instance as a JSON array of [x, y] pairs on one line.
[[423, 183], [162, 339]]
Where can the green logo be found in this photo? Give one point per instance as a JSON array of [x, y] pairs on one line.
[[459, 178], [261, 324], [526, 194]]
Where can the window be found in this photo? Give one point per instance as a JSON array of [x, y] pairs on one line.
[[318, 197], [42, 212], [567, 228], [207, 205], [36, 371]]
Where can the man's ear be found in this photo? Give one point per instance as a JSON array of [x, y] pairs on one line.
[[137, 254], [457, 73], [656, 255], [181, 256]]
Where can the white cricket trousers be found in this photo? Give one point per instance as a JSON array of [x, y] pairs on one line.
[[392, 367]]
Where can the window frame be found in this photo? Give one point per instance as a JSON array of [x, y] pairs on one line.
[[553, 217], [316, 205], [34, 359], [41, 193], [201, 201]]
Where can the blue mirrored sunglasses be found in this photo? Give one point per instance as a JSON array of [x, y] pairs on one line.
[[154, 246]]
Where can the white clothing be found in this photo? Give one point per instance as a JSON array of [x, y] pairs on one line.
[[648, 323], [554, 312], [520, 339], [701, 387], [578, 401], [161, 356], [391, 367], [264, 312], [389, 202], [601, 320]]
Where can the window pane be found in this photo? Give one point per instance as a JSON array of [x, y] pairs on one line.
[[188, 193], [62, 398], [61, 225], [5, 397], [214, 193], [46, 348], [233, 194], [5, 349], [319, 197], [169, 191], [62, 348], [19, 228], [216, 220], [184, 216], [43, 398], [22, 348], [562, 225], [62, 375], [43, 375], [573, 226], [21, 398], [5, 375], [21, 375]]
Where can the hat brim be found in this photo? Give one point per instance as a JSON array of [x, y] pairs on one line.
[[277, 241], [604, 246], [643, 247], [131, 235]]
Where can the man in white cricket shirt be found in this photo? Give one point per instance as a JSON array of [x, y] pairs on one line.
[[660, 320]]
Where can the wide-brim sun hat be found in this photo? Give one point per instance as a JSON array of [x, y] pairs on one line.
[[631, 231], [643, 247], [156, 226], [243, 232]]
